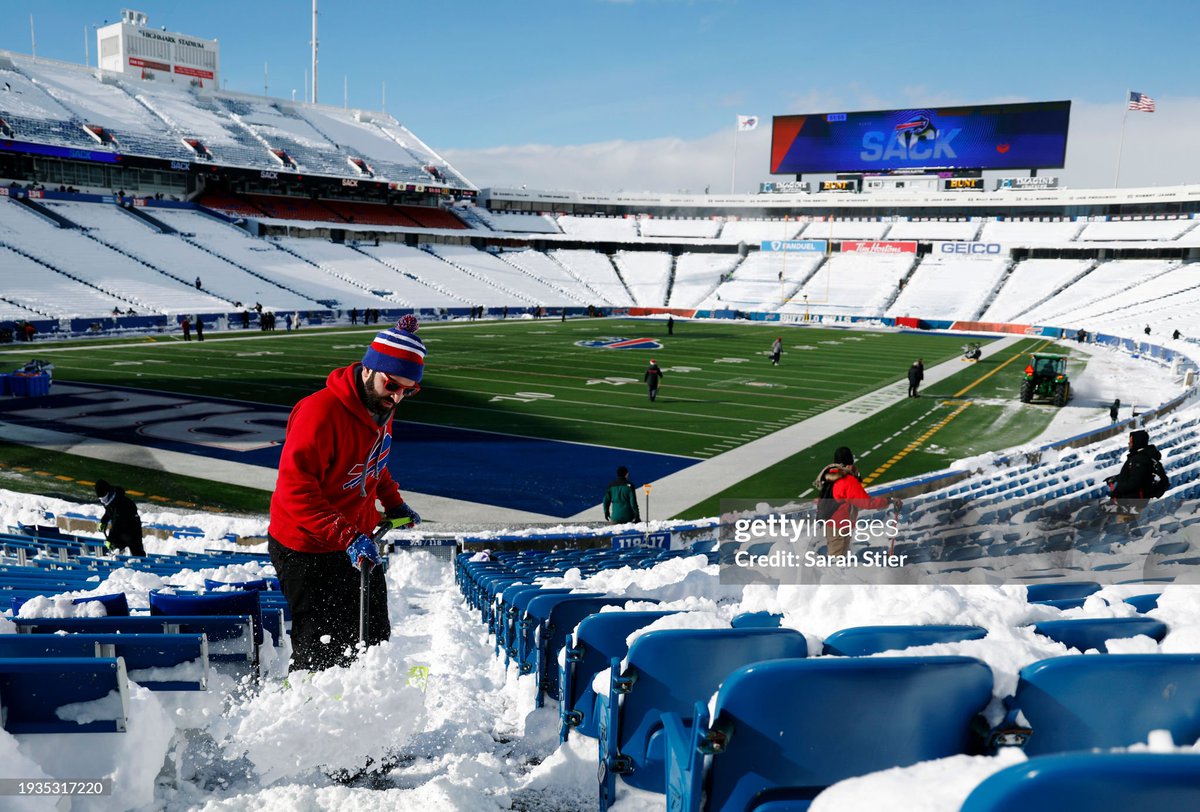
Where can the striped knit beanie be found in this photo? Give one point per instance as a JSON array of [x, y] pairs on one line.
[[397, 351]]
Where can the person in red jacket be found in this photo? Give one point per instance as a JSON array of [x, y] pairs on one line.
[[851, 497], [332, 470]]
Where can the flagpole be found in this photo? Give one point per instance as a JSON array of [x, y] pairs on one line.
[[733, 172], [1121, 148]]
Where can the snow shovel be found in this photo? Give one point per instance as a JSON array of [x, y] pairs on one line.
[[364, 577]]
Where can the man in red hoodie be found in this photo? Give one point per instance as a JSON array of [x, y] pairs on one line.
[[332, 470]]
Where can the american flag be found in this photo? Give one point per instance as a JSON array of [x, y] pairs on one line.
[[1141, 102]]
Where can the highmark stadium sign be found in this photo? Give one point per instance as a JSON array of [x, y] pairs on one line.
[[802, 246]]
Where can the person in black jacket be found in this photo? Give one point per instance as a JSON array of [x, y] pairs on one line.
[[1133, 481], [916, 374], [120, 524], [653, 377]]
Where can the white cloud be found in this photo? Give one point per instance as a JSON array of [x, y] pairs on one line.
[[1160, 150]]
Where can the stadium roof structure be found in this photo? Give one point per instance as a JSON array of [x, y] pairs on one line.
[[59, 109]]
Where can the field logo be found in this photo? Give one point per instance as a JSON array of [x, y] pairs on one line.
[[617, 343]]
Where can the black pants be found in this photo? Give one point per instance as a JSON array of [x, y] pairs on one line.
[[323, 591], [912, 389], [127, 538]]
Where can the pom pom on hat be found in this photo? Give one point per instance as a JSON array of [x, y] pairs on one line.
[[397, 351]]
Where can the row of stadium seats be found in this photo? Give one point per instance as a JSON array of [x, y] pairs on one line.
[[783, 725], [118, 261], [90, 655], [52, 103], [1051, 231]]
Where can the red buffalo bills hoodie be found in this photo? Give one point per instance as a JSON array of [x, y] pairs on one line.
[[333, 467]]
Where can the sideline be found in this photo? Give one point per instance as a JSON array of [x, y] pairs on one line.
[[236, 334], [676, 493]]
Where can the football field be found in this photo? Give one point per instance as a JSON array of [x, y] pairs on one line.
[[546, 408]]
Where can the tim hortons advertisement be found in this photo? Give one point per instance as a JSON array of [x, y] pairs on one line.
[[876, 247]]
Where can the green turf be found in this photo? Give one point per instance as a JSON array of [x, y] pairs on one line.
[[994, 419], [529, 378]]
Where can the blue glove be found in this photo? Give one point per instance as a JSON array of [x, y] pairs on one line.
[[362, 548], [403, 511]]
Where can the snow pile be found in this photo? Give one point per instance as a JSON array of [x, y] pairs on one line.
[[333, 720]]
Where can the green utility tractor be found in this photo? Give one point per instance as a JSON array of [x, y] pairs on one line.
[[1046, 379]]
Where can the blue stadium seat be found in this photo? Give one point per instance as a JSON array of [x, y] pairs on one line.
[[598, 640], [782, 731], [140, 652], [561, 617], [212, 603], [116, 605], [1144, 603], [1091, 633], [522, 645], [669, 671], [32, 689], [1084, 702], [861, 641], [510, 610], [1056, 591], [757, 620], [1096, 782], [233, 636], [274, 621], [257, 585]]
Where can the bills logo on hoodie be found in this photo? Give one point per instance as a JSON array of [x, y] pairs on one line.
[[376, 462]]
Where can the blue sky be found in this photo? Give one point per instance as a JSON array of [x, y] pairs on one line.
[[546, 84]]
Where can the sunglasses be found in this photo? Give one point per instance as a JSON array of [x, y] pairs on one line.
[[395, 386]]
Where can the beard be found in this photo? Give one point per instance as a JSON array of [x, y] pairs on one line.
[[376, 404]]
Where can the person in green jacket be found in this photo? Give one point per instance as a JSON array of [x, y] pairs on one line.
[[620, 500]]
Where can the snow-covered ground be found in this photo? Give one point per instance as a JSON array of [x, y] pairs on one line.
[[468, 737]]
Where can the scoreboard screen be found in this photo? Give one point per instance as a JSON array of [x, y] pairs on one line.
[[988, 136]]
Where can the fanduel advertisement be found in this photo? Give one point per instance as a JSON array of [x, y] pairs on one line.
[[803, 246], [989, 136]]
